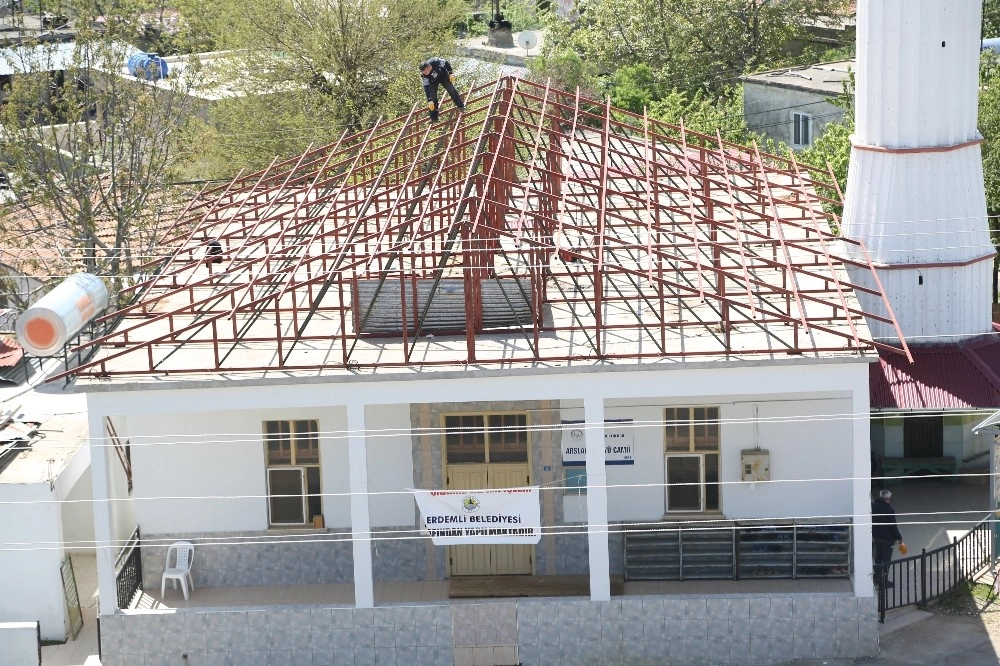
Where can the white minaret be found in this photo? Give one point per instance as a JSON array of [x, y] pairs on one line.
[[915, 194]]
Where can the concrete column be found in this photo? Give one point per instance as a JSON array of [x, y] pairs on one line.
[[364, 589], [861, 492], [597, 500], [105, 549]]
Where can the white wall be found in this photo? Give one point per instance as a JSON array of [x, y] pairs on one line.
[[809, 441], [19, 644], [973, 445], [221, 454], [646, 503], [769, 109], [78, 515], [30, 580], [892, 434], [230, 461], [217, 460], [390, 465]]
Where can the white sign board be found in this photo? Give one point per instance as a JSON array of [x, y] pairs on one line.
[[618, 443], [460, 517]]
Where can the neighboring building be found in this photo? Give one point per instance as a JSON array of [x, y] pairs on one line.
[[45, 493], [440, 309], [14, 366], [54, 58], [915, 198], [792, 106]]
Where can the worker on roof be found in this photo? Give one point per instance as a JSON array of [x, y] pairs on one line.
[[434, 71]]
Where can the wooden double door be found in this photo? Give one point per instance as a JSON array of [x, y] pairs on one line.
[[489, 559]]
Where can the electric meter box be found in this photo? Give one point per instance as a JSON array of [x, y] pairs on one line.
[[756, 464]]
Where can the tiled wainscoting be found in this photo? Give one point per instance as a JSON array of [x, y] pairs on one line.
[[676, 629], [323, 557]]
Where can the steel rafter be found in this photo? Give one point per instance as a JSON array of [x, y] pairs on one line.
[[407, 245]]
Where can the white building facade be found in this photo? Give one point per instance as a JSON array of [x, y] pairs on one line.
[[200, 469]]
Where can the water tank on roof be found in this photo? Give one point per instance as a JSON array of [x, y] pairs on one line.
[[147, 66], [46, 327]]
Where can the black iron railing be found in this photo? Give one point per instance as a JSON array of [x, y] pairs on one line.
[[128, 570], [920, 579]]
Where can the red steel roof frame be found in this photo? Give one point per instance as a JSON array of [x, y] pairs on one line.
[[549, 190]]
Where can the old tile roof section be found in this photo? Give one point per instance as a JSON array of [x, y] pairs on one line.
[[10, 351], [958, 376]]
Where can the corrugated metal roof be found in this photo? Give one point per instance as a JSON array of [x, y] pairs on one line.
[[941, 377]]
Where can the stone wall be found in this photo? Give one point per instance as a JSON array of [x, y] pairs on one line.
[[679, 629]]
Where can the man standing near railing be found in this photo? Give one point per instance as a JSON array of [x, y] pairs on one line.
[[885, 534]]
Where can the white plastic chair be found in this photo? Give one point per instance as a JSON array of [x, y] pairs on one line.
[[183, 552]]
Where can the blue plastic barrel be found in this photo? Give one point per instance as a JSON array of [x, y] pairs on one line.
[[147, 66]]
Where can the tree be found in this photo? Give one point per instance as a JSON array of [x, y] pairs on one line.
[[991, 18], [307, 70], [89, 151], [565, 69], [989, 126], [831, 150], [691, 43]]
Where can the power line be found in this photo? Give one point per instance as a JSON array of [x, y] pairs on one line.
[[346, 536], [637, 232], [257, 438]]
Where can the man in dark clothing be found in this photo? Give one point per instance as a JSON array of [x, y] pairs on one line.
[[213, 253], [434, 71], [885, 534]]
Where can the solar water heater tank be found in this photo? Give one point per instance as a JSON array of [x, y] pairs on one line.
[[45, 327]]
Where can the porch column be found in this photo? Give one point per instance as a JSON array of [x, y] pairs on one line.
[[861, 492], [104, 549], [364, 592], [597, 500]]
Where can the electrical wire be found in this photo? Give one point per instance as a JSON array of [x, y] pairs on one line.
[[472, 246], [344, 535], [374, 434]]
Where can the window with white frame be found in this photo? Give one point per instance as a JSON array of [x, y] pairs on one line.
[[801, 129], [291, 449], [691, 466]]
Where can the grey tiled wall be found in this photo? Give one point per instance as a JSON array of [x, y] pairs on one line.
[[228, 559], [237, 559], [678, 629]]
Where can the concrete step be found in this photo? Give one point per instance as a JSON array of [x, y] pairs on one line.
[[898, 618]]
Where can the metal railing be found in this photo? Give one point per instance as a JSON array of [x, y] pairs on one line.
[[922, 578], [128, 570]]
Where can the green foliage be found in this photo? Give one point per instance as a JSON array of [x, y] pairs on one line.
[[89, 151], [831, 150], [989, 126], [633, 87], [522, 14], [991, 18], [565, 69], [338, 65], [690, 44]]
